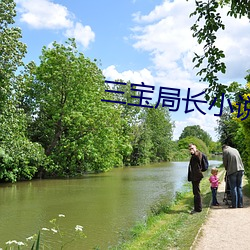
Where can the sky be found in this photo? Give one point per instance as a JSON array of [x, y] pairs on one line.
[[146, 41]]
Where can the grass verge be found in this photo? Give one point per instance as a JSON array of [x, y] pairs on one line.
[[170, 226]]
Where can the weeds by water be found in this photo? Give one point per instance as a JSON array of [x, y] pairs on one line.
[[53, 237], [169, 226]]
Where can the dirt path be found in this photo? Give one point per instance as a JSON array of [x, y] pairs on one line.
[[225, 228]]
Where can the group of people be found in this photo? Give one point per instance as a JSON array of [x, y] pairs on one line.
[[234, 169]]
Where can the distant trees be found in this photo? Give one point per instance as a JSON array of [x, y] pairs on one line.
[[160, 131], [183, 144], [196, 131], [149, 130]]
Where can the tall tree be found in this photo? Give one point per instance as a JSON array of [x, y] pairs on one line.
[[19, 158], [130, 119], [78, 131], [12, 51]]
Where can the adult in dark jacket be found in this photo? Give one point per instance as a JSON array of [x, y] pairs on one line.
[[235, 170], [195, 175]]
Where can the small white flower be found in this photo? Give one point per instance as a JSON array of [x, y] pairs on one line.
[[78, 228], [29, 238], [54, 230], [45, 229], [10, 242], [20, 243], [61, 215]]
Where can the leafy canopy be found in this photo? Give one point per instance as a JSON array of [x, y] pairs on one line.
[[205, 28]]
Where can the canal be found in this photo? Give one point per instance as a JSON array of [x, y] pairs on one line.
[[105, 204]]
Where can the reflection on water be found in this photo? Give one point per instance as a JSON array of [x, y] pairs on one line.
[[104, 204]]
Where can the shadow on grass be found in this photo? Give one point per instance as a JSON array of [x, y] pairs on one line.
[[182, 204]]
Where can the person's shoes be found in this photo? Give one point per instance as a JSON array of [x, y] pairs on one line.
[[217, 204], [231, 206], [240, 206], [194, 212]]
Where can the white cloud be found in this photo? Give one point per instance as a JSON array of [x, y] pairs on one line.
[[159, 12], [83, 34], [44, 14], [165, 33], [137, 77], [234, 41]]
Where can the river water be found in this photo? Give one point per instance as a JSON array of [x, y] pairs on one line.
[[104, 204]]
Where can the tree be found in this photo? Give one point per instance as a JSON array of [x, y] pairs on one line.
[[196, 131], [148, 130], [183, 144], [160, 129], [78, 131], [208, 23], [130, 116], [227, 128], [241, 117], [19, 157], [12, 50]]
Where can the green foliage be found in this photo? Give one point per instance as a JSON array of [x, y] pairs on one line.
[[78, 131], [196, 131], [237, 8], [210, 20], [149, 130], [205, 28], [232, 130], [201, 146], [160, 127], [20, 159], [215, 147], [152, 137], [227, 128], [12, 50], [242, 134]]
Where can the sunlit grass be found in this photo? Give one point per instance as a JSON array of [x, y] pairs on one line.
[[170, 226]]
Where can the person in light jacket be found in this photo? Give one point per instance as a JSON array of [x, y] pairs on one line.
[[235, 169]]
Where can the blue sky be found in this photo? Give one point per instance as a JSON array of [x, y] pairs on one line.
[[138, 40]]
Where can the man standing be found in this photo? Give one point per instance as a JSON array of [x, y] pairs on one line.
[[195, 175], [235, 170]]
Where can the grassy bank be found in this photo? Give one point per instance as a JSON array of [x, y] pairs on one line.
[[170, 227]]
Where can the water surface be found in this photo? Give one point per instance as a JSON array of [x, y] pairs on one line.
[[104, 204]]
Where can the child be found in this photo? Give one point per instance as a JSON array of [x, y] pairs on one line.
[[214, 185]]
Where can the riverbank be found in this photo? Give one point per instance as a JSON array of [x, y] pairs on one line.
[[171, 227]]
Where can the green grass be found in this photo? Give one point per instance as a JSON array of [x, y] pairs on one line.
[[170, 226]]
